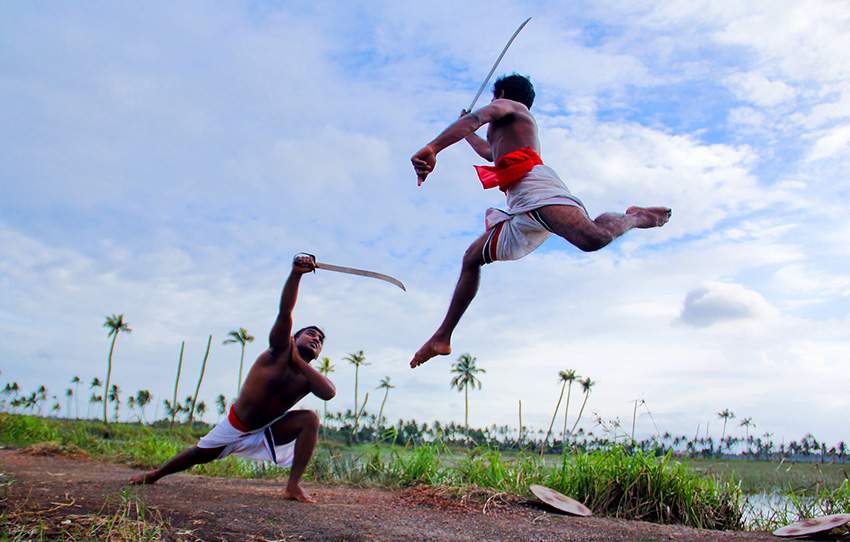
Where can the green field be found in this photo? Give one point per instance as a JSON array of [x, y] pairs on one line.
[[614, 482], [772, 476]]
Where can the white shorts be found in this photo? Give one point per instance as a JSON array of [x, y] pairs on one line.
[[518, 231], [258, 444]]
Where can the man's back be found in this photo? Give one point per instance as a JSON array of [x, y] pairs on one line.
[[514, 128]]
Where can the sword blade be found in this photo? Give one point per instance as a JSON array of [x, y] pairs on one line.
[[496, 65], [360, 272]]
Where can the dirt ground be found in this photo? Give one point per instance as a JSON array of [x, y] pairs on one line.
[[202, 508]]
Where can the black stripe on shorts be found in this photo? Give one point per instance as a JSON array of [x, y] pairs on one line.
[[270, 440]]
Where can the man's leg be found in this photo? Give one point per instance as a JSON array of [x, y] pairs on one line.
[[588, 235], [184, 460], [302, 426], [467, 286]]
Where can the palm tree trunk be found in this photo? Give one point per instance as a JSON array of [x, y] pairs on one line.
[[634, 417], [566, 412], [177, 383], [108, 376], [580, 412], [356, 382], [555, 415], [241, 361], [381, 413], [519, 437], [200, 379], [466, 409]]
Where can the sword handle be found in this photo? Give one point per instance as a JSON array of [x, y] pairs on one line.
[[312, 256]]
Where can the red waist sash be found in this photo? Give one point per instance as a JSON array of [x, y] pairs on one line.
[[509, 168], [235, 421]]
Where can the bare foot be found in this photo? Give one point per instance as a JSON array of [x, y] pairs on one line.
[[434, 347], [650, 217], [144, 479], [295, 493]]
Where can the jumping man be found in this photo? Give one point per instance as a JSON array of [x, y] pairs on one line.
[[539, 203], [260, 425]]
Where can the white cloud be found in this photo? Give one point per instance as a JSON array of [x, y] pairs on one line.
[[835, 141], [758, 89], [723, 302]]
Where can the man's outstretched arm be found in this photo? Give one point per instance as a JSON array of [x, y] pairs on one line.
[[425, 158], [282, 328]]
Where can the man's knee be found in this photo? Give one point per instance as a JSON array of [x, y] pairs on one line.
[[594, 240], [472, 257], [309, 420]]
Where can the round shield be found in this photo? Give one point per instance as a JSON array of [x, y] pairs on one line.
[[560, 502], [812, 526]]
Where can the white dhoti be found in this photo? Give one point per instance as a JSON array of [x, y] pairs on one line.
[[521, 229], [257, 444]]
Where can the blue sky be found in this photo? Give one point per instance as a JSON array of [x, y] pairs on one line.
[[166, 161]]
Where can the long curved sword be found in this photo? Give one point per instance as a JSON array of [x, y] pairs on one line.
[[496, 65], [354, 271]]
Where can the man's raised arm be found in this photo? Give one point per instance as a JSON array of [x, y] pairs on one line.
[[282, 328], [425, 158]]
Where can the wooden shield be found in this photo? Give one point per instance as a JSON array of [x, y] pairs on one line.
[[560, 502], [814, 525]]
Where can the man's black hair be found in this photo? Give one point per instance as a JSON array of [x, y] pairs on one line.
[[517, 88], [303, 329]]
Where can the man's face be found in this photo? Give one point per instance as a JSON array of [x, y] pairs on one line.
[[309, 343]]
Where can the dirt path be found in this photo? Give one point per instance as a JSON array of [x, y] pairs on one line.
[[201, 508]]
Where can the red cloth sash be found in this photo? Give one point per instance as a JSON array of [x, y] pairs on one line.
[[235, 421], [509, 168]]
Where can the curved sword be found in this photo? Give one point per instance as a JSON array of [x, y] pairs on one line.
[[355, 271], [496, 65]]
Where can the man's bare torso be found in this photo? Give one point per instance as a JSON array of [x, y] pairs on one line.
[[513, 131], [272, 387]]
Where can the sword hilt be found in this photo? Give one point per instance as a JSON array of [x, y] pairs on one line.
[[313, 256]]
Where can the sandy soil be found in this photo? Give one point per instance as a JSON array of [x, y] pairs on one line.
[[201, 508]]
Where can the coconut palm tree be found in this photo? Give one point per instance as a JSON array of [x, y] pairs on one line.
[[76, 382], [143, 397], [586, 385], [326, 368], [570, 376], [200, 379], [115, 324], [242, 337], [173, 408], [746, 423], [386, 386], [69, 394], [465, 371], [114, 396], [131, 404], [564, 377], [357, 359], [201, 409], [725, 415], [221, 404]]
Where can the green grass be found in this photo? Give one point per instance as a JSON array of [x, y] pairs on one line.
[[615, 482], [768, 476]]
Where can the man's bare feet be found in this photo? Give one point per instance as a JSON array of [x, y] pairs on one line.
[[434, 347], [295, 493], [650, 217], [144, 479]]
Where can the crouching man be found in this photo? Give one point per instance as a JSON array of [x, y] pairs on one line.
[[260, 424]]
